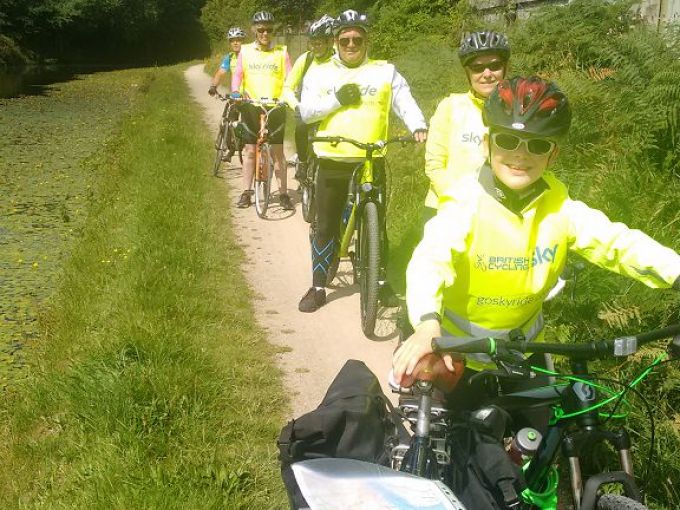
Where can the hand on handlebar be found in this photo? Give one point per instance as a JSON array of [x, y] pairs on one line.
[[415, 347]]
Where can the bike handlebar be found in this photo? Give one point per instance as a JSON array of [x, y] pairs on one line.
[[263, 101], [621, 346], [377, 145]]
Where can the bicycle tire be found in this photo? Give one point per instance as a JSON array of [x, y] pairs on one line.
[[220, 147], [616, 502], [368, 263], [263, 182]]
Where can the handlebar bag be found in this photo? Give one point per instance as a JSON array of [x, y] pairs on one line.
[[355, 420]]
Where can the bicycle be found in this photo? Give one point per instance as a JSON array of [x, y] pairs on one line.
[[575, 428], [363, 215], [227, 139], [264, 161], [307, 189]]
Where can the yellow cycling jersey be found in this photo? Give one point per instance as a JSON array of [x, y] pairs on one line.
[[454, 143], [487, 270], [365, 122], [263, 71], [293, 83]]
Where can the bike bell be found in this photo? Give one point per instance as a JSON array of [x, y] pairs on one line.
[[524, 444]]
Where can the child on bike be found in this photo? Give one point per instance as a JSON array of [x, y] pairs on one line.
[[497, 246]]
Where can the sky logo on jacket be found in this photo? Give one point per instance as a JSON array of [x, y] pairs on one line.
[[472, 138]]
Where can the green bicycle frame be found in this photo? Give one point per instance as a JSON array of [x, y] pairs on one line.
[[346, 238]]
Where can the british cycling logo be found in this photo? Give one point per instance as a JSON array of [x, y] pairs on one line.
[[510, 263]]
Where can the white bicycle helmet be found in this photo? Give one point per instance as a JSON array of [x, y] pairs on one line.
[[236, 33], [263, 17], [350, 19], [323, 27]]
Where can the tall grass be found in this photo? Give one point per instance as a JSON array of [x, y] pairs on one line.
[[154, 387]]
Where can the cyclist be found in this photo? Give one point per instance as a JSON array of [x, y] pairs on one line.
[[260, 71], [454, 145], [235, 35], [320, 36], [349, 96], [499, 242]]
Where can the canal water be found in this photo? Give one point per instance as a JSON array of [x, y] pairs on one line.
[[51, 136], [36, 80]]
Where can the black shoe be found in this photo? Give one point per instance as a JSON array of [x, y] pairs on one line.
[[312, 300], [387, 296], [244, 201], [285, 202]]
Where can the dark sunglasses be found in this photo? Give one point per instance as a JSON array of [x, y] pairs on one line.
[[263, 30], [344, 41], [510, 142], [495, 65]]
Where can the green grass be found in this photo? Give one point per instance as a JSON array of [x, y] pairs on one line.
[[153, 387]]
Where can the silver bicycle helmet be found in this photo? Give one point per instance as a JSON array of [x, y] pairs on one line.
[[236, 33], [323, 27], [263, 17], [350, 18], [473, 44]]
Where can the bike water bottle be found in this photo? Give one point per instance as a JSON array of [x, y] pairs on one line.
[[524, 445], [347, 211]]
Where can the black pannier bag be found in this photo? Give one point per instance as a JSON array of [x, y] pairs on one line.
[[355, 420], [483, 475]]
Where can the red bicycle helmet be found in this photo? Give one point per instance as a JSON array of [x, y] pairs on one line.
[[530, 105]]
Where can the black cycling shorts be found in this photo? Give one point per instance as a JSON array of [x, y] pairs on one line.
[[250, 116]]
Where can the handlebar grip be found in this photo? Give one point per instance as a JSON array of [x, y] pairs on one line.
[[463, 345]]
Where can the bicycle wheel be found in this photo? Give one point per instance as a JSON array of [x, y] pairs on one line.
[[263, 181], [615, 502], [220, 147], [308, 194], [368, 266]]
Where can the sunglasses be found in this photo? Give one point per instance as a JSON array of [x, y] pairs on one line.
[[265, 30], [493, 66], [344, 41], [510, 142]]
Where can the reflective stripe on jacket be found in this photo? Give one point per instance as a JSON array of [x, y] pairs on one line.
[[263, 71], [484, 268], [454, 144]]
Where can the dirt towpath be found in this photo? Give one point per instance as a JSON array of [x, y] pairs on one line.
[[278, 267]]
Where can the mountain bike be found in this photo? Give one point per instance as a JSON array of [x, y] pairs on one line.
[[264, 161], [227, 139], [362, 221], [579, 420]]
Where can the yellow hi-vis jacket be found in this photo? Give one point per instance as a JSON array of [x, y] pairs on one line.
[[264, 71], [487, 270], [382, 88], [293, 84], [454, 143]]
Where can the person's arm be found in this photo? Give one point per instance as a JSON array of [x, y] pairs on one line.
[[237, 77], [318, 99], [292, 82], [429, 272], [618, 248], [437, 147], [405, 106]]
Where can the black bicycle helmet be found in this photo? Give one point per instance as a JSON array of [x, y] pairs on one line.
[[323, 27], [236, 33], [263, 17], [350, 19], [529, 105], [473, 44]]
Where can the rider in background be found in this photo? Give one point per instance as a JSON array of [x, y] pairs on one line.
[[260, 72], [350, 96], [454, 145], [320, 36], [500, 240], [235, 35]]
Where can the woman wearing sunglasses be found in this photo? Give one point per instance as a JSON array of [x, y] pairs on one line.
[[497, 246], [454, 146]]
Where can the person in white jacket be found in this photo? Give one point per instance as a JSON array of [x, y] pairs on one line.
[[350, 96]]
